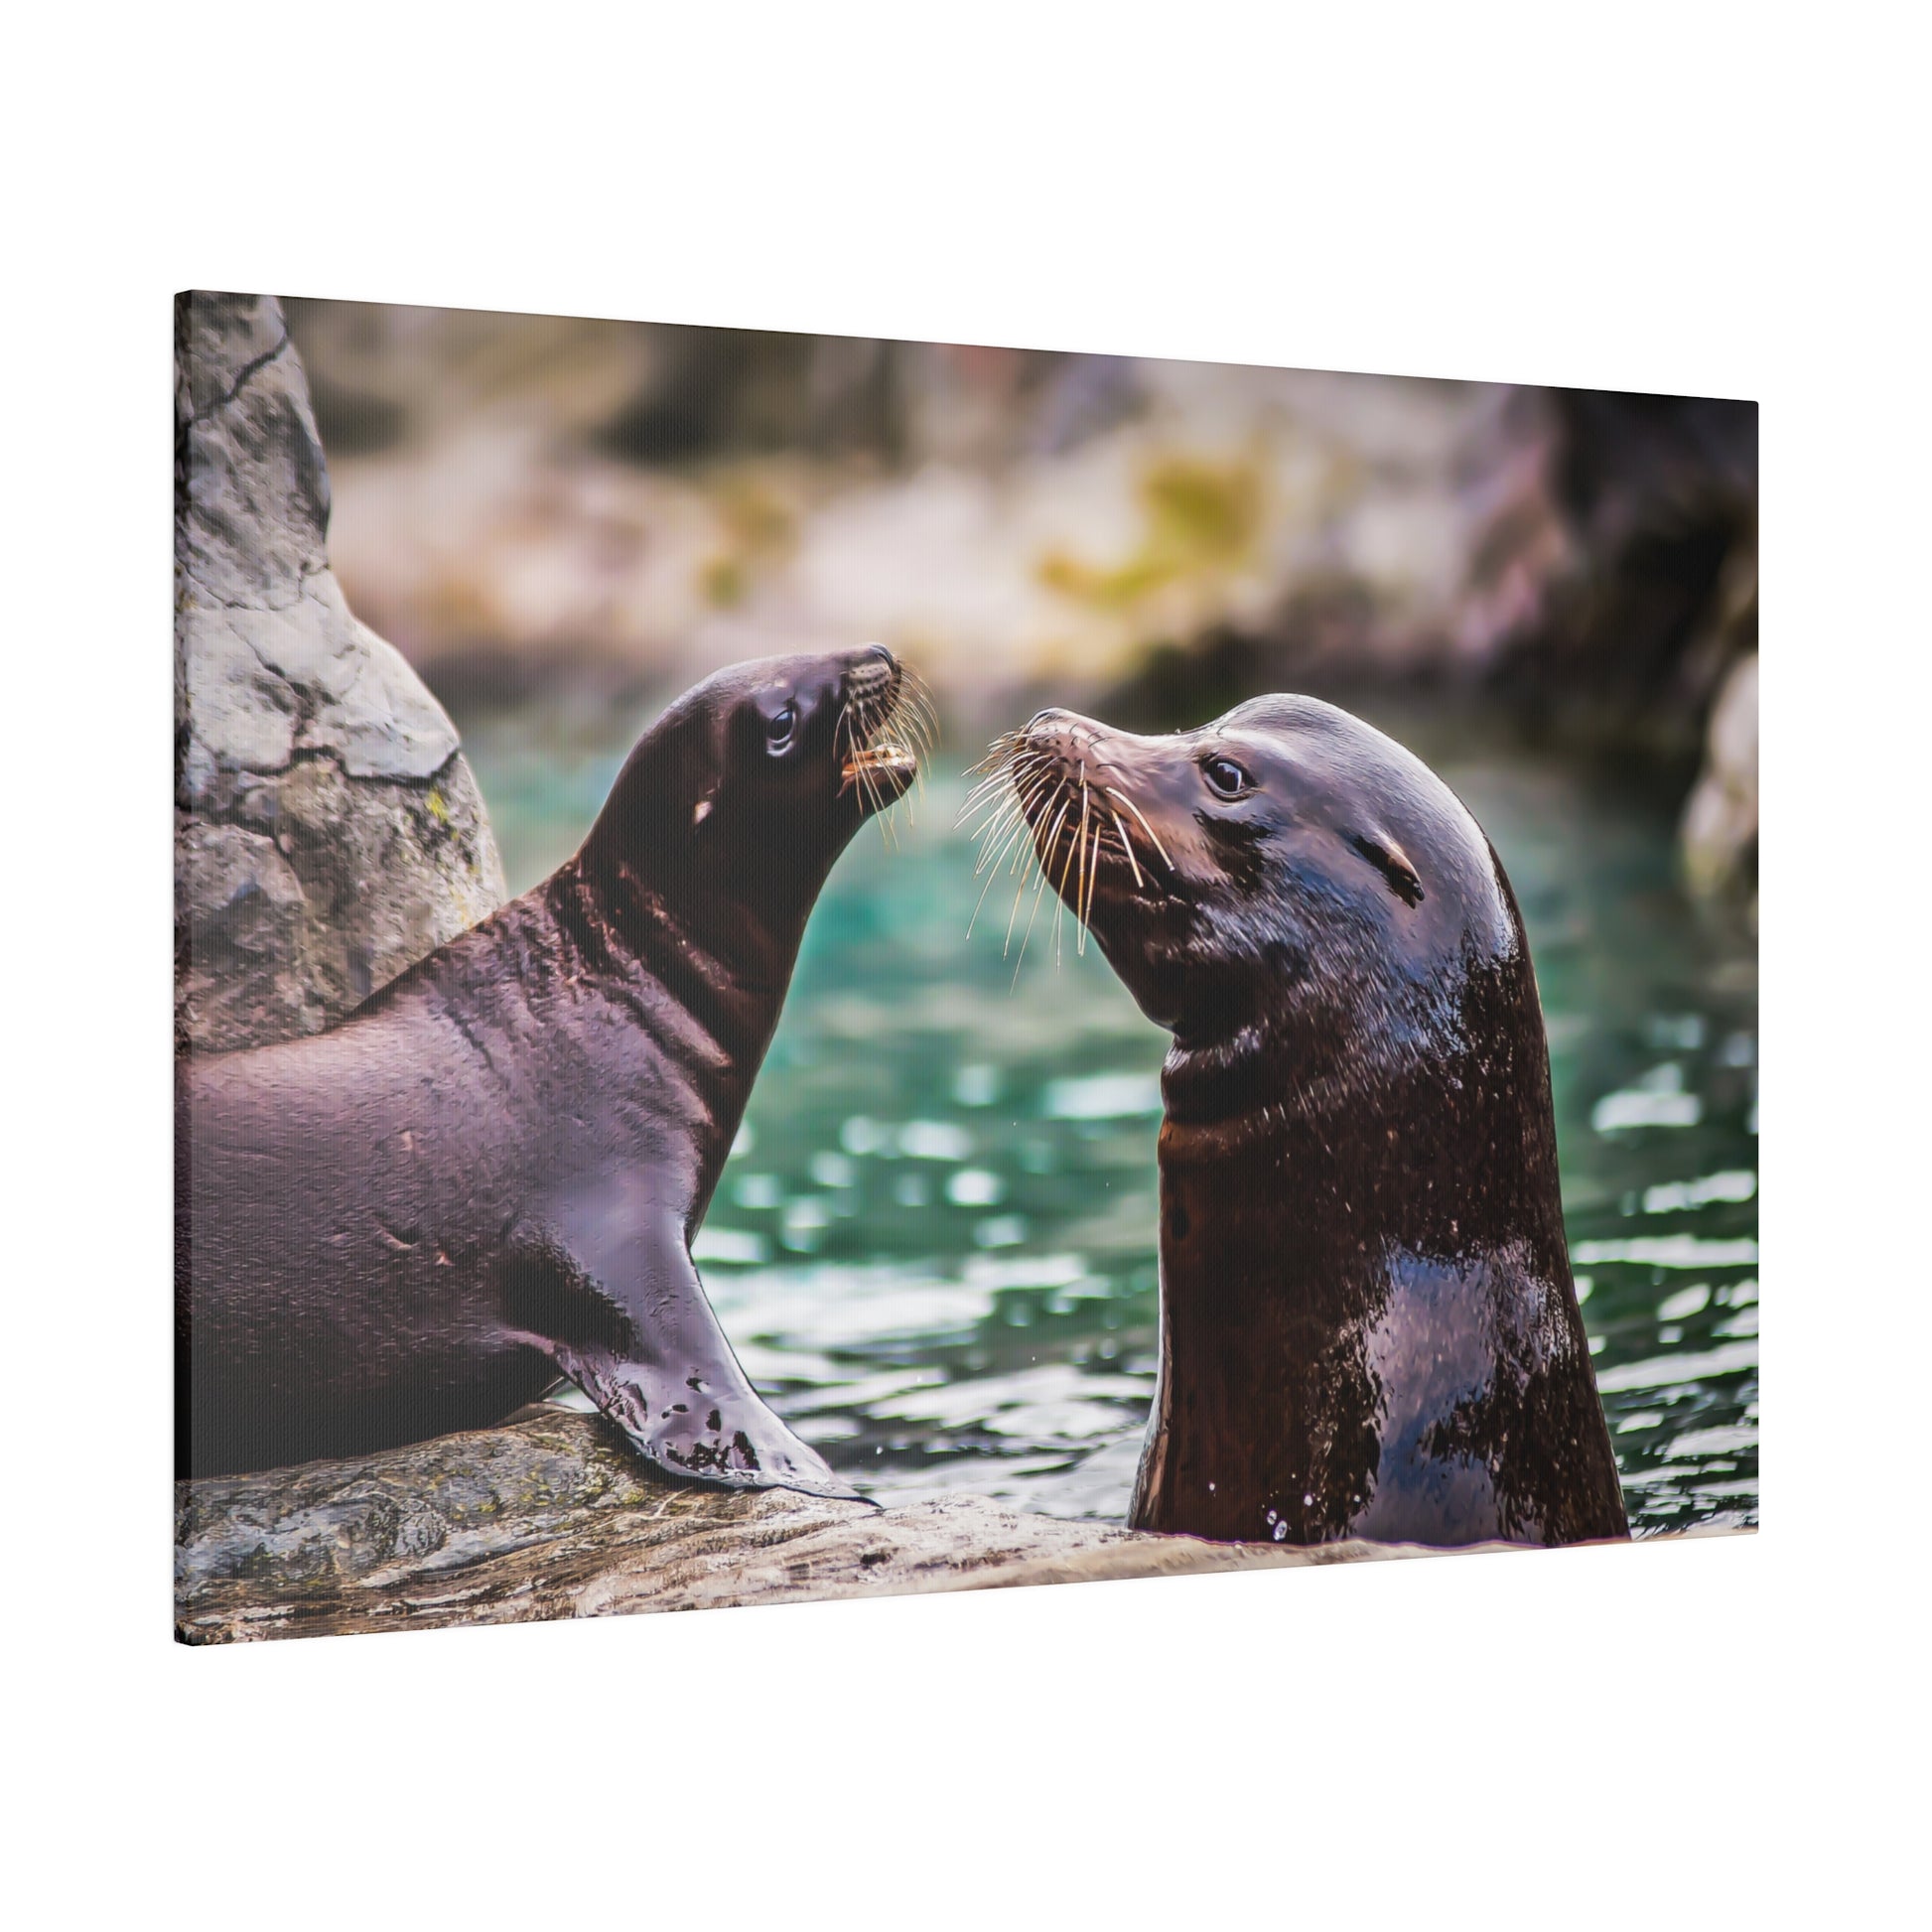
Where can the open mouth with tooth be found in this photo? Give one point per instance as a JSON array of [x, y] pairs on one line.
[[885, 729], [882, 756]]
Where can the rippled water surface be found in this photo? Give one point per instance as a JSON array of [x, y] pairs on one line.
[[934, 1245]]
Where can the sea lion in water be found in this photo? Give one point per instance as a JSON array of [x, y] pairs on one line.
[[491, 1171], [1368, 1325]]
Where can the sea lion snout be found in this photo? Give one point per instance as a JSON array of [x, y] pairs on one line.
[[1059, 788], [884, 720], [872, 671], [1110, 784], [1067, 736], [1064, 748]]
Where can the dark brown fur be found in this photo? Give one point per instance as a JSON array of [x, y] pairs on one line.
[[1368, 1325], [490, 1174]]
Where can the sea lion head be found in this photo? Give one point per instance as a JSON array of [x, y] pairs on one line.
[[1285, 871], [752, 783]]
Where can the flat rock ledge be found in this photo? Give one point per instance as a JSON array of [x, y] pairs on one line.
[[554, 1517]]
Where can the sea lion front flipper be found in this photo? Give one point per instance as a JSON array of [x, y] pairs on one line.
[[662, 1369]]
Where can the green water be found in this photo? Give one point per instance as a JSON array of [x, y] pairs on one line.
[[934, 1245]]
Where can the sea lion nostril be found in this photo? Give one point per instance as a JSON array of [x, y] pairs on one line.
[[869, 676]]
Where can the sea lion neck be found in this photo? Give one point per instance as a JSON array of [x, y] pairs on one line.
[[663, 914], [1320, 1237], [706, 973], [699, 858], [1436, 1118], [727, 964]]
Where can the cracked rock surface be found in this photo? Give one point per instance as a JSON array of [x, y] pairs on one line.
[[328, 831], [553, 1517]]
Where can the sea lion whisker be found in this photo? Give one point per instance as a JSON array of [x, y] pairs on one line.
[[925, 718], [1000, 809], [1128, 849], [1053, 838], [1030, 789], [1002, 757], [851, 725], [1039, 887], [869, 783], [1093, 881], [993, 872], [920, 694], [1018, 892], [1011, 836], [1079, 892], [994, 808], [1060, 906], [1145, 826], [885, 732], [1012, 772], [1086, 912], [996, 838], [882, 734], [1018, 803], [1048, 784], [1080, 842], [913, 711], [888, 818], [997, 754], [987, 791], [1027, 777], [850, 735], [1025, 855]]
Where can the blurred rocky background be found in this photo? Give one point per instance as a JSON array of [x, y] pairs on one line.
[[530, 503]]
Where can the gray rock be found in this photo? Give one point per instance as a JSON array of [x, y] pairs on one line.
[[553, 1517], [328, 830]]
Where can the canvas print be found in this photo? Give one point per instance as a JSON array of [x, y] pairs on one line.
[[814, 967]]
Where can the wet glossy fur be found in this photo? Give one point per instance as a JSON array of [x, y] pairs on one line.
[[488, 1176], [1368, 1325]]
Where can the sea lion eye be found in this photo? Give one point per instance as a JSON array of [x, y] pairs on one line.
[[1225, 776], [779, 729]]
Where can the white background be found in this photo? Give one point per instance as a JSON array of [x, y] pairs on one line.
[[1673, 198]]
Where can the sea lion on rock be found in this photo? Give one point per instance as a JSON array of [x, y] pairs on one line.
[[489, 1173], [1368, 1327]]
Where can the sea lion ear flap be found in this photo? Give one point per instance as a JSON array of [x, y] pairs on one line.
[[713, 744], [1392, 863], [717, 754]]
